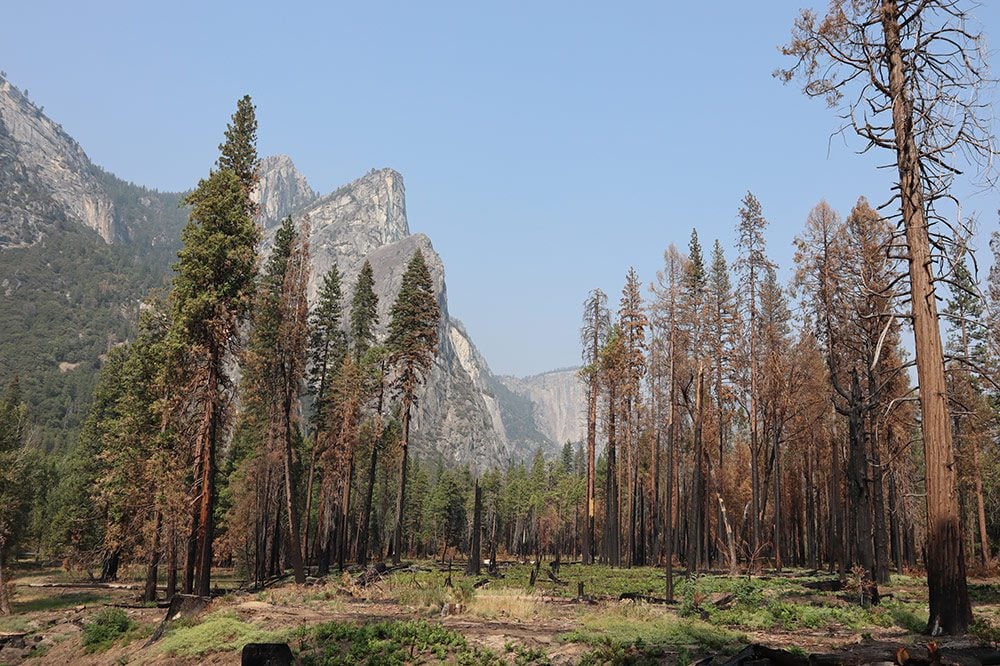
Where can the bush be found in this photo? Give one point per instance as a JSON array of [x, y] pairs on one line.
[[105, 629]]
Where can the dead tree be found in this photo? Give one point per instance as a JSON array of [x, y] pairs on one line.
[[913, 72]]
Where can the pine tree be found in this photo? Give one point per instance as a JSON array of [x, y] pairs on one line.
[[721, 321], [633, 323], [212, 292], [364, 312], [327, 349], [238, 153], [327, 342], [412, 343], [15, 481], [752, 265], [965, 310], [908, 77]]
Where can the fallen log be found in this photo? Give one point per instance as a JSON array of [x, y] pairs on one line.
[[378, 571], [88, 586], [635, 596], [761, 654], [555, 579]]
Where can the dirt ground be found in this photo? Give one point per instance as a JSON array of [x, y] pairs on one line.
[[48, 624]]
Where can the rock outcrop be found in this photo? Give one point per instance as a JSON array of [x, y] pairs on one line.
[[559, 403], [115, 241], [55, 165], [284, 189], [457, 418]]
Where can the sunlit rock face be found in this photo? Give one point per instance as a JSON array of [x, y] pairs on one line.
[[465, 414], [38, 160]]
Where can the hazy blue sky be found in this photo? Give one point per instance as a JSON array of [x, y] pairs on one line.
[[545, 146]]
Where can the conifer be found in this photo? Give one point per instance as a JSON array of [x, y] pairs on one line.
[[412, 343]]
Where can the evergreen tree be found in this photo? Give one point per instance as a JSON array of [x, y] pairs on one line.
[[364, 312], [327, 343], [212, 291], [412, 343], [752, 264], [238, 153], [15, 481], [965, 309], [275, 367], [633, 323], [327, 349], [721, 322], [593, 334]]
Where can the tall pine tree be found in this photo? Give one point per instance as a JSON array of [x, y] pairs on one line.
[[412, 342], [212, 292]]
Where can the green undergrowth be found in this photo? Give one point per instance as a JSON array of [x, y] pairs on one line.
[[640, 633], [222, 631], [396, 642], [106, 628], [784, 603]]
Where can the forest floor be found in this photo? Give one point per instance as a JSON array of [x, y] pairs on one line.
[[412, 616]]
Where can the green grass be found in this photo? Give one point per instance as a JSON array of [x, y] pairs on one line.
[[341, 644], [909, 616], [59, 601], [984, 593], [108, 627], [222, 631], [652, 632]]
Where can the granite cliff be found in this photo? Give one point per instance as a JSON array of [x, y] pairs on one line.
[[81, 248]]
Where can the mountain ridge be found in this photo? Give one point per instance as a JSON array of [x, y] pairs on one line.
[[124, 238]]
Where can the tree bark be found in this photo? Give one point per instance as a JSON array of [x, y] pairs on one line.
[[294, 542], [475, 549], [611, 519], [668, 527], [149, 593], [950, 610], [588, 530], [397, 535], [206, 505]]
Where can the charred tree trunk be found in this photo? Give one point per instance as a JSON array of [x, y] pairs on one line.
[[668, 527], [345, 516], [984, 542], [589, 520], [950, 610], [307, 514], [294, 544], [475, 549], [152, 570], [776, 452], [696, 505], [397, 534], [613, 527], [171, 562]]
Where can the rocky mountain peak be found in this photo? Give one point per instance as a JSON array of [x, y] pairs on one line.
[[350, 223], [281, 189], [56, 165]]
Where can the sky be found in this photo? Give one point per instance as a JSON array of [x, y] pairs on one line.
[[546, 147]]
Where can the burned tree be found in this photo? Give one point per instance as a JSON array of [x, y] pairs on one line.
[[906, 76]]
